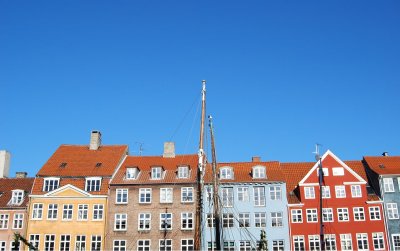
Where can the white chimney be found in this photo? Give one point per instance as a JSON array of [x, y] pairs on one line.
[[21, 175], [95, 140], [4, 163], [169, 150]]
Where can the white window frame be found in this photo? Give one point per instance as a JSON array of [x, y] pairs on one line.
[[337, 171], [374, 213], [145, 195], [17, 197], [244, 220], [378, 239], [309, 192], [260, 219], [80, 242], [95, 243], [326, 192], [340, 191], [52, 211], [228, 220], [259, 172], [156, 173], [388, 185], [313, 212], [132, 173], [120, 222], [356, 191], [362, 238], [187, 244], [226, 173], [187, 194], [343, 212], [327, 215], [183, 172], [2, 246], [166, 194], [4, 220], [314, 242], [276, 219], [119, 245], [243, 194], [68, 212], [346, 242], [18, 221], [165, 244], [275, 192], [396, 241], [259, 196], [392, 211], [227, 196], [144, 221], [37, 211], [50, 184], [359, 214], [99, 211], [166, 220], [278, 245], [297, 215], [89, 187], [211, 220], [65, 243], [121, 196], [330, 242], [83, 212], [34, 239], [299, 243], [143, 244], [49, 242], [187, 221]]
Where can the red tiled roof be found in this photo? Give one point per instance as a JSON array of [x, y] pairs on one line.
[[145, 163], [294, 173], [384, 164], [359, 168], [77, 182], [242, 172], [80, 161], [9, 184]]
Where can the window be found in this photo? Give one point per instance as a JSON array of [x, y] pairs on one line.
[[313, 242], [144, 221], [119, 245], [378, 241], [51, 184], [388, 185], [227, 220], [145, 195], [278, 245], [122, 196], [15, 246], [243, 194], [2, 246], [227, 196], [355, 191], [276, 219], [120, 223], [259, 172], [260, 219], [229, 246], [392, 211], [187, 194], [297, 215], [187, 244], [165, 221], [34, 239], [337, 171], [346, 242], [245, 246], [298, 243], [132, 173], [309, 192], [210, 220], [259, 196], [275, 192], [80, 243], [17, 197], [165, 245], [340, 191], [183, 172], [95, 244], [330, 242], [244, 219], [4, 221], [98, 212], [166, 195], [343, 214], [226, 173], [327, 215], [312, 215], [18, 221], [93, 184], [374, 213], [67, 212], [208, 190], [362, 241], [65, 242], [49, 241], [156, 173], [211, 246], [187, 221], [83, 212], [37, 211], [326, 192], [396, 241], [143, 245], [52, 212], [359, 214]]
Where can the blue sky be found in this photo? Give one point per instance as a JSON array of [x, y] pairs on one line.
[[281, 76]]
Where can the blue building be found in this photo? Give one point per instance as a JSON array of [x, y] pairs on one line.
[[252, 198]]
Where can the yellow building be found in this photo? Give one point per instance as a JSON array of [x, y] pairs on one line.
[[68, 202]]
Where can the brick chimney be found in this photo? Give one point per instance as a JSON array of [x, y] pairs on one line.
[[95, 140], [169, 150], [20, 175], [5, 158], [256, 159]]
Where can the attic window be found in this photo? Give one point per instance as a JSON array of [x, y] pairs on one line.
[[98, 164], [63, 164], [156, 173], [259, 172], [226, 173], [132, 172], [17, 197], [381, 166], [183, 172]]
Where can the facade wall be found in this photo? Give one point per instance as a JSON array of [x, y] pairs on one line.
[[7, 232]]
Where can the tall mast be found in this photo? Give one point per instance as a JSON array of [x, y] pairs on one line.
[[200, 173], [320, 181], [217, 219]]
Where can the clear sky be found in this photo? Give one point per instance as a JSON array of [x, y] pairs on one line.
[[281, 76]]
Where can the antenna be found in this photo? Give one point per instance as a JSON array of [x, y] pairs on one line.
[[141, 149], [317, 155]]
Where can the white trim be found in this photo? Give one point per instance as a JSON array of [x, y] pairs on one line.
[[355, 183], [118, 167], [53, 194], [308, 184], [375, 202], [296, 205]]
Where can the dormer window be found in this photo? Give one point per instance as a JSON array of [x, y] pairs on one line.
[[259, 172], [132, 173], [156, 173], [50, 184], [226, 173], [183, 172], [93, 184], [17, 197]]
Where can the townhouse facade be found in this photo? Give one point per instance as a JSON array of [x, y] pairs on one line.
[[384, 176], [253, 198], [153, 201], [352, 215], [68, 203]]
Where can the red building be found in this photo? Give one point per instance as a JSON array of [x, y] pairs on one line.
[[352, 213]]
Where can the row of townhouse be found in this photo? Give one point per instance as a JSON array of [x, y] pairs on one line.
[[98, 197]]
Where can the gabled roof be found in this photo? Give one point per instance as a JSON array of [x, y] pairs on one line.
[[9, 184], [384, 165], [145, 163], [80, 161], [243, 172]]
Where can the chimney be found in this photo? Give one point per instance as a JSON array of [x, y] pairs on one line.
[[4, 163], [385, 154], [20, 175], [169, 150], [256, 159], [95, 140]]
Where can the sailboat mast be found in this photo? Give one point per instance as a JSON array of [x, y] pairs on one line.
[[217, 219], [320, 181]]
